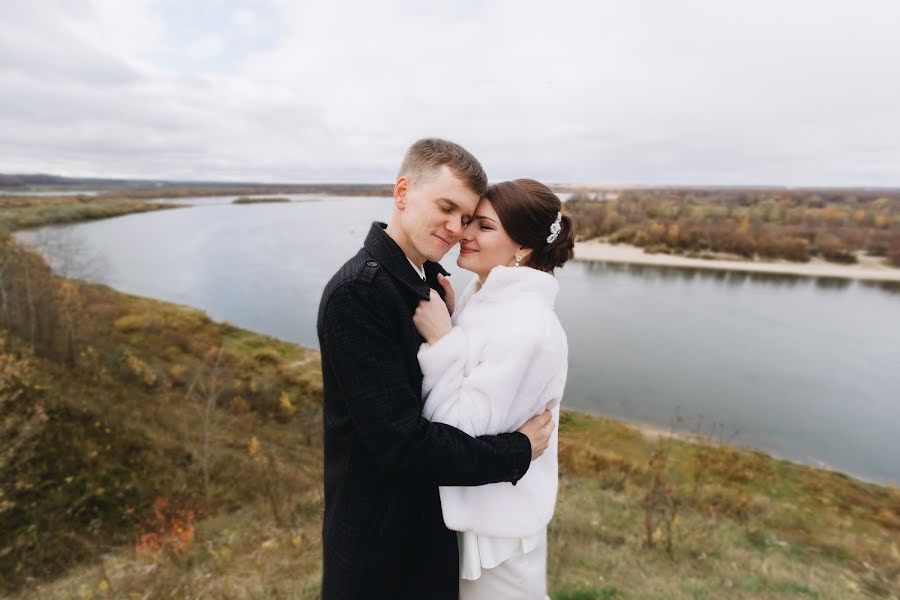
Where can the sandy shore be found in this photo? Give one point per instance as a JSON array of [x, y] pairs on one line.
[[868, 268]]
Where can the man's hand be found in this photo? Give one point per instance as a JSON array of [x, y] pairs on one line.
[[538, 428], [432, 318], [450, 294]]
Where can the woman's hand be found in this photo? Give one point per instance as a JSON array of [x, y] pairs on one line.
[[432, 318], [449, 293]]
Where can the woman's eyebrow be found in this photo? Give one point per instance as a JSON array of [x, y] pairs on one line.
[[483, 218]]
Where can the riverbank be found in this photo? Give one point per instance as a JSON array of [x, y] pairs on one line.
[[29, 212], [249, 200], [868, 268]]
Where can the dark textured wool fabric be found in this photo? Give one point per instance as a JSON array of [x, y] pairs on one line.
[[383, 532]]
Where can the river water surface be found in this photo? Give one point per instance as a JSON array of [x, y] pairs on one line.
[[808, 369]]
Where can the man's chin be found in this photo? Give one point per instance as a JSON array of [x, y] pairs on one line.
[[438, 252], [437, 256]]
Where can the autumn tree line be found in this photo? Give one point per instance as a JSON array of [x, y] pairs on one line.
[[794, 225], [34, 304]]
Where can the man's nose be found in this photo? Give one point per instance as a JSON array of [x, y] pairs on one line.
[[455, 227]]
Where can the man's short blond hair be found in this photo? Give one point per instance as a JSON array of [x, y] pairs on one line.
[[426, 156]]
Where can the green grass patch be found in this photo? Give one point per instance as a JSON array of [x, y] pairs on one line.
[[587, 593]]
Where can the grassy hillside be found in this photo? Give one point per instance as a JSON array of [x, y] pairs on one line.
[[159, 405]]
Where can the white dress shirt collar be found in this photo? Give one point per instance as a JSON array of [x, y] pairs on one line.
[[420, 271]]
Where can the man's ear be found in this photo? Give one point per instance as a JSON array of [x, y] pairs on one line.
[[400, 190]]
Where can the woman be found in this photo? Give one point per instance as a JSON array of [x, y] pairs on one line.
[[501, 359]]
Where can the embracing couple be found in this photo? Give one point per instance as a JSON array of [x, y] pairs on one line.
[[440, 412]]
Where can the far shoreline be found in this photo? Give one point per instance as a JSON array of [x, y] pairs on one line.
[[869, 268]]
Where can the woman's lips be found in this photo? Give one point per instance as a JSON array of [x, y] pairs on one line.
[[467, 250]]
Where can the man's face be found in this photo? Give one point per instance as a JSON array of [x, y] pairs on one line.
[[434, 212]]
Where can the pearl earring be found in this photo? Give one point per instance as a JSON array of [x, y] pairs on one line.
[[518, 260]]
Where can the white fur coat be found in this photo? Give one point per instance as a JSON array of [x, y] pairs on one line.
[[504, 361]]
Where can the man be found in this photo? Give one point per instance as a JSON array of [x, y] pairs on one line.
[[383, 532]]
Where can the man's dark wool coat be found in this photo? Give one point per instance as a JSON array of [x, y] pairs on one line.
[[383, 533]]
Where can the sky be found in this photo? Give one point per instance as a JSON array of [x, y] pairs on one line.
[[615, 92]]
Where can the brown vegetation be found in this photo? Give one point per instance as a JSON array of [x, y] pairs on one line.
[[109, 403], [732, 522], [24, 212], [776, 224]]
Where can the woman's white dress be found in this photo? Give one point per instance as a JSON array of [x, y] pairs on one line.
[[504, 361]]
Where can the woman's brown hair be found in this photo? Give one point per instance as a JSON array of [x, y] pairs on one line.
[[527, 209]]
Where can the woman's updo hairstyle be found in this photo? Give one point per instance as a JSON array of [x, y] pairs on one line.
[[527, 208]]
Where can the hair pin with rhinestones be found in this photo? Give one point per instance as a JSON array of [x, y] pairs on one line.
[[555, 229]]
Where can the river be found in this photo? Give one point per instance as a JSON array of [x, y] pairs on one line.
[[807, 369]]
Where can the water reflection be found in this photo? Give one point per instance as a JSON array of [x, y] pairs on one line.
[[731, 278], [736, 278], [833, 283], [891, 287]]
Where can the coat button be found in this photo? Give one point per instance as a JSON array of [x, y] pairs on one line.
[[371, 263]]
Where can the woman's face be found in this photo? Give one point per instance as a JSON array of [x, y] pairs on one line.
[[485, 244]]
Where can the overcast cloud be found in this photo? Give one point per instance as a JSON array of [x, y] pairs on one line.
[[622, 92]]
